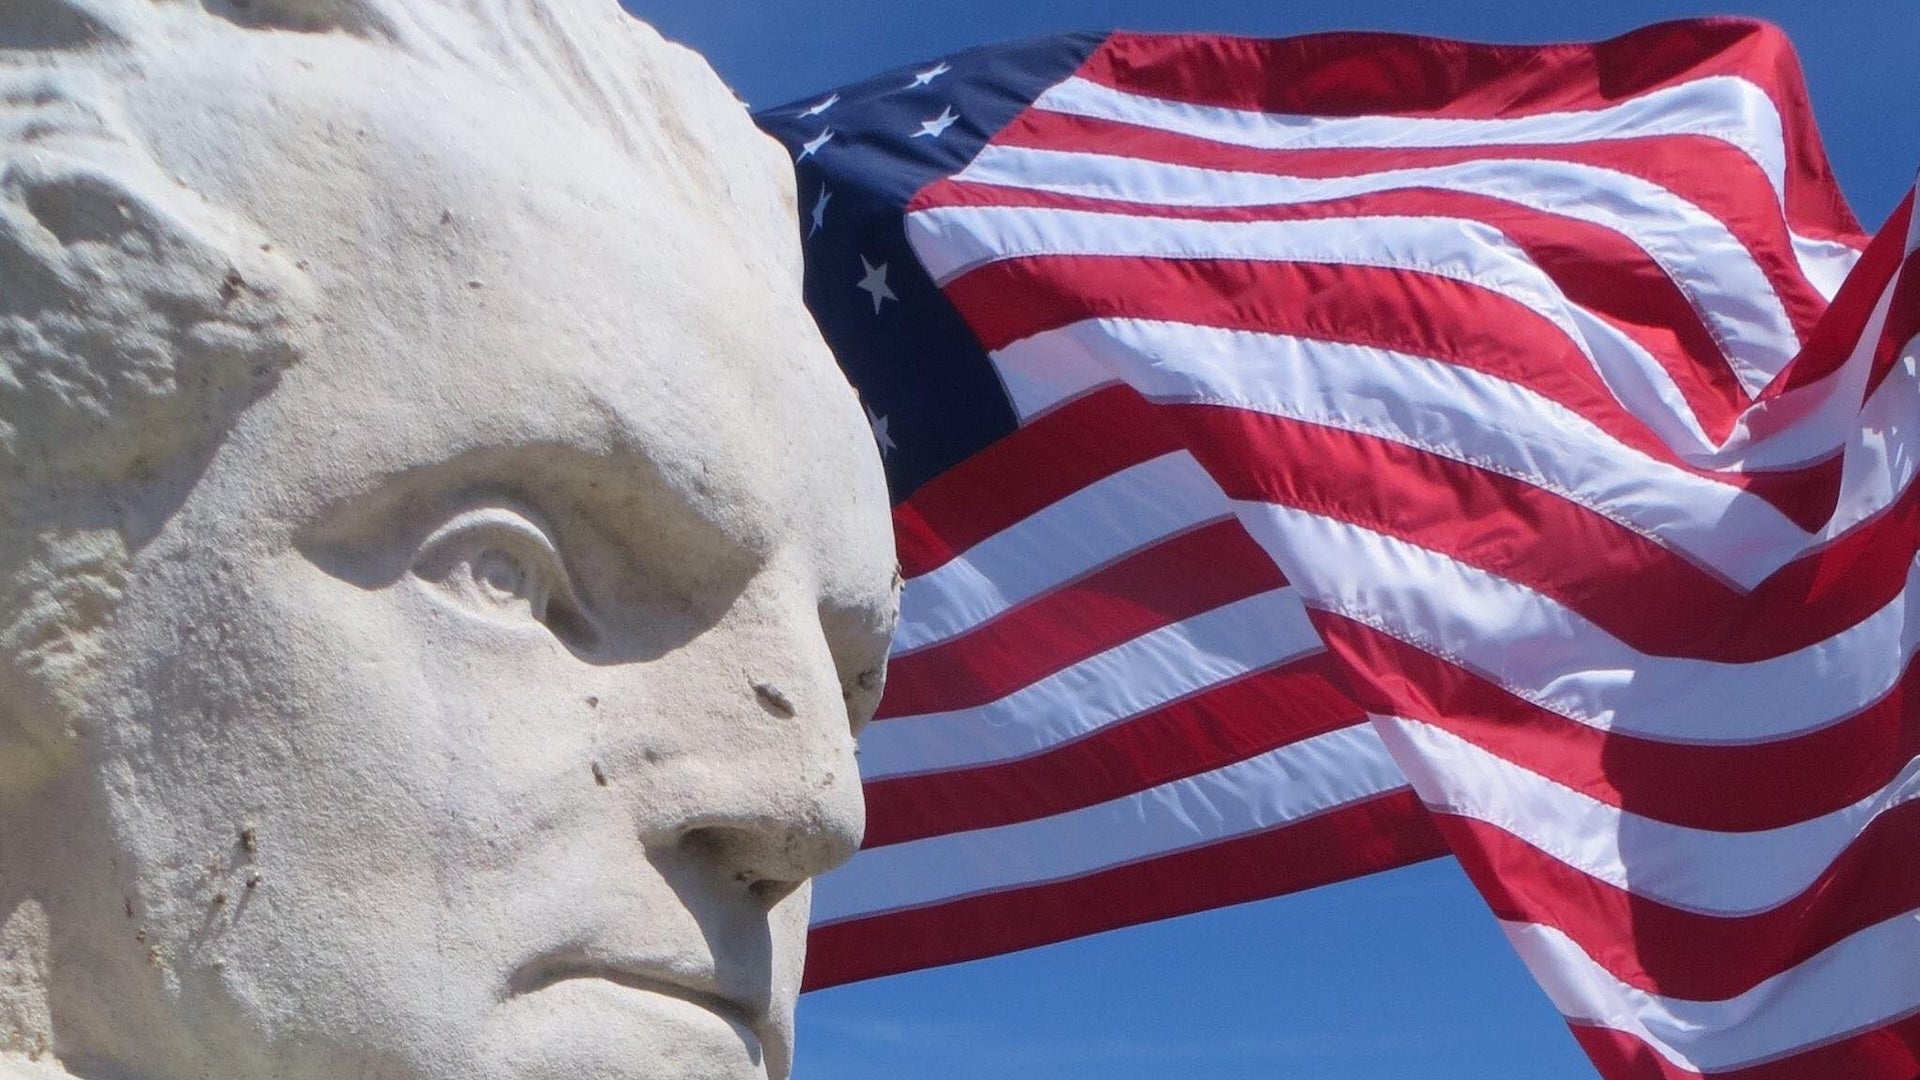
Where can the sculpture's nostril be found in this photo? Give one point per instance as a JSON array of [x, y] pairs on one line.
[[770, 891], [767, 865]]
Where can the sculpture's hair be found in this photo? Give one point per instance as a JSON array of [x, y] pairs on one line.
[[584, 56], [137, 321]]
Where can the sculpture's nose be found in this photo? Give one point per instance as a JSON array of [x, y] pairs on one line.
[[770, 793], [771, 824]]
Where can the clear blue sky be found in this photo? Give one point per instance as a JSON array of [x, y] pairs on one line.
[[1402, 975]]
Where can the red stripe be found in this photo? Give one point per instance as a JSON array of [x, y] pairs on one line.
[[1884, 1053], [1595, 267], [1720, 788], [1173, 580], [1041, 463], [1549, 544], [1664, 950], [1482, 331], [1724, 183], [1364, 74], [1377, 834], [1401, 310], [1403, 75], [1212, 729]]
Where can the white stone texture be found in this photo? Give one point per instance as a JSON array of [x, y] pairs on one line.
[[440, 564]]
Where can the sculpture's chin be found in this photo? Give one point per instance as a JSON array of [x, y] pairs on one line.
[[599, 1028]]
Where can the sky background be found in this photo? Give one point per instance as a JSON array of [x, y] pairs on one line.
[[1402, 975]]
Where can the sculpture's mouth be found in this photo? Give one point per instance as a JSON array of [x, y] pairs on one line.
[[553, 971]]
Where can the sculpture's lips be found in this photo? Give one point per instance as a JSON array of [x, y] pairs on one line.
[[652, 980]]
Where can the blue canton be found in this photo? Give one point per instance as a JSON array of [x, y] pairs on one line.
[[861, 153]]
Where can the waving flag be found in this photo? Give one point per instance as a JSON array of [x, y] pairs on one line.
[[1312, 456]]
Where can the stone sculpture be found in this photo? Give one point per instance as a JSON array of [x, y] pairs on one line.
[[440, 564]]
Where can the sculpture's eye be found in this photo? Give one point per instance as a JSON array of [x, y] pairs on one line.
[[497, 564]]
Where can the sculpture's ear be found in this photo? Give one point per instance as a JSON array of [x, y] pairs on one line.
[[68, 384], [136, 323]]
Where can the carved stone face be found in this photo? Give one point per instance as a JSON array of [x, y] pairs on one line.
[[485, 705]]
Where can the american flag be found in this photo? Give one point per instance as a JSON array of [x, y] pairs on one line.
[[1317, 455]]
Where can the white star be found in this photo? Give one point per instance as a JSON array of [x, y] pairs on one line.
[[936, 127], [823, 106], [881, 437], [922, 78], [820, 212], [812, 146], [875, 284]]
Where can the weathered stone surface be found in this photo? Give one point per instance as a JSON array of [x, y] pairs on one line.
[[417, 477]]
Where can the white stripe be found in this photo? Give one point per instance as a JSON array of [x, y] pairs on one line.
[[1695, 250], [1726, 874], [952, 240], [1153, 670], [1452, 411], [1290, 784], [1044, 372], [1051, 368], [1863, 982], [1552, 656], [1825, 262], [1722, 107], [1088, 529]]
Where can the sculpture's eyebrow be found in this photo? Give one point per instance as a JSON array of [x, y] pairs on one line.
[[621, 498]]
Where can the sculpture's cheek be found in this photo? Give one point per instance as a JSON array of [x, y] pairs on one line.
[[353, 818], [295, 817]]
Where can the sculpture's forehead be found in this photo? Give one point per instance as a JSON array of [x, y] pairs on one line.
[[498, 280]]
